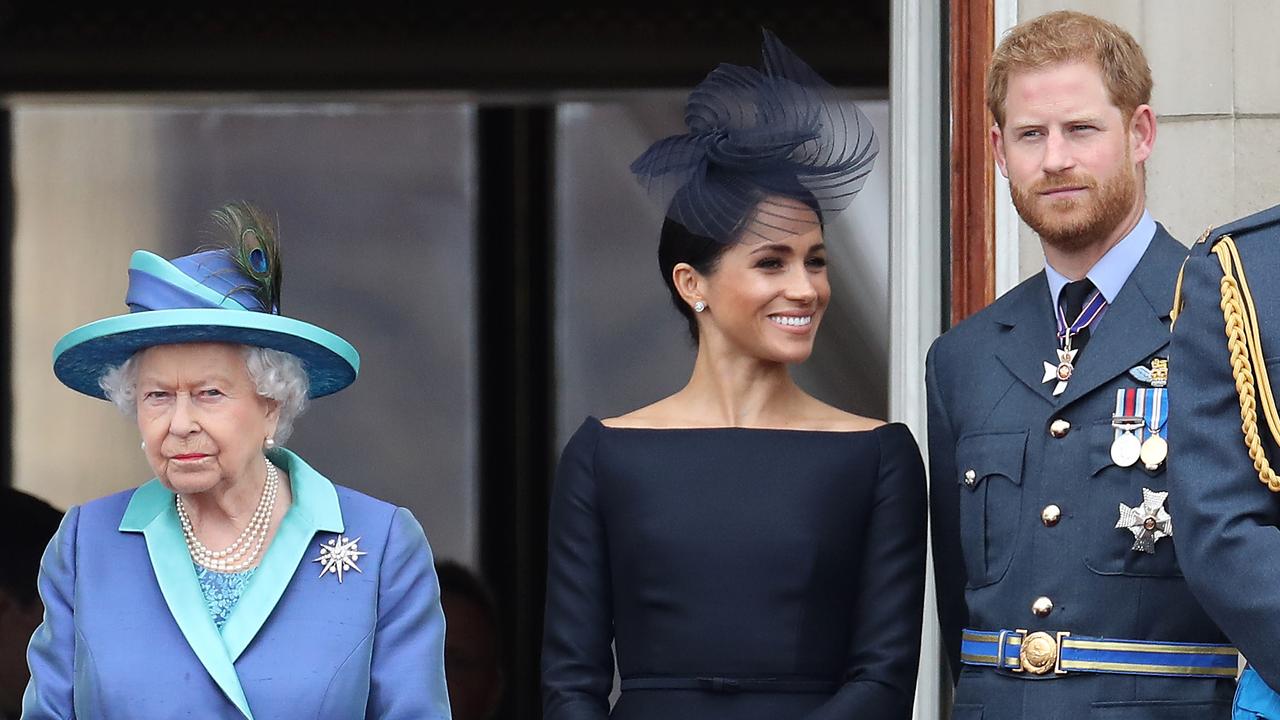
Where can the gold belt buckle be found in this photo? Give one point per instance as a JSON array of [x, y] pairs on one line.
[[1040, 652]]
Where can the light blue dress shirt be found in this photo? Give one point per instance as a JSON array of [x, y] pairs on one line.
[[1112, 269]]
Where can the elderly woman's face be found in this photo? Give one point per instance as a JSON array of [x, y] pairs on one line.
[[200, 415]]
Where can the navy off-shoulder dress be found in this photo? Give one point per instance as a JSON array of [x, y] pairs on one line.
[[742, 574]]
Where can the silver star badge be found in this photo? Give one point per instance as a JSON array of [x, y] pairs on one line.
[[1148, 522], [338, 555], [1060, 372]]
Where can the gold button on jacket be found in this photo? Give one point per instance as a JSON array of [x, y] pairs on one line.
[[1059, 428], [1042, 607], [1050, 515]]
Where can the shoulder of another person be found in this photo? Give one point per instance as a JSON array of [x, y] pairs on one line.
[[105, 511], [1000, 308], [357, 507], [1256, 229], [982, 328]]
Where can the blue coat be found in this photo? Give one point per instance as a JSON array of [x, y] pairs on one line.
[[1229, 541], [994, 554], [126, 632]]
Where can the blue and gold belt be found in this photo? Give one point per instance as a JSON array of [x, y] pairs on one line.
[[1042, 653]]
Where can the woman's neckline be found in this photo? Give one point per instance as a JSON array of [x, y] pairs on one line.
[[738, 428]]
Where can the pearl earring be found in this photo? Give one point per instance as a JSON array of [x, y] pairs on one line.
[[270, 443], [144, 444], [699, 306]]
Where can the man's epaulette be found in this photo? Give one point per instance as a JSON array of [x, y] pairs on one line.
[[1242, 332], [1263, 226]]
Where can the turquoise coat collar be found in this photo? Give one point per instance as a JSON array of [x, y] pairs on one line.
[[151, 512], [313, 496]]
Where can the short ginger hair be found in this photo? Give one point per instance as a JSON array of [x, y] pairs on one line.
[[1067, 36]]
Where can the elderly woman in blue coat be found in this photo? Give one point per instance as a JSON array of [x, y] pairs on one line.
[[239, 582]]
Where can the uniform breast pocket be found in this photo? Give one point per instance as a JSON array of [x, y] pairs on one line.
[[1110, 549], [990, 476]]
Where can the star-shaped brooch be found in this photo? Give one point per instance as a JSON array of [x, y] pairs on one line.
[[339, 555], [1148, 522], [1060, 372]]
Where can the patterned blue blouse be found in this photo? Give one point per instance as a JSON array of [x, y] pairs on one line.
[[222, 591]]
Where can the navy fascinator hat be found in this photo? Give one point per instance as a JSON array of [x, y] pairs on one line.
[[775, 136]]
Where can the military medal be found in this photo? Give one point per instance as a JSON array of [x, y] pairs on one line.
[[1128, 421], [338, 555], [1148, 522], [1061, 370], [1126, 449], [1155, 449]]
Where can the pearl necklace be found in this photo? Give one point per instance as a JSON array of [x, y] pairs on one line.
[[241, 554]]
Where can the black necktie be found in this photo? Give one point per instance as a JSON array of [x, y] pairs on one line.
[[1072, 299]]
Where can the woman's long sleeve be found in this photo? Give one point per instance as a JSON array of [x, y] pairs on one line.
[[884, 650], [52, 652], [406, 677], [577, 653]]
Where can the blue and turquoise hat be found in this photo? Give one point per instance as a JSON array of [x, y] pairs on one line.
[[204, 297]]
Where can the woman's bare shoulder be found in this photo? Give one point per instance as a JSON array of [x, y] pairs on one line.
[[670, 412], [663, 413], [822, 416]]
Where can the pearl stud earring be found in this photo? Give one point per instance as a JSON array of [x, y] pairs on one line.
[[699, 306]]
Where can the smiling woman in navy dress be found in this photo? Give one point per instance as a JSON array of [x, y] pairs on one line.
[[752, 552]]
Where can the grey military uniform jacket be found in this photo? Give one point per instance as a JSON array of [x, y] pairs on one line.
[[1228, 522], [996, 549]]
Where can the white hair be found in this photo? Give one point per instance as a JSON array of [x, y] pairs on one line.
[[276, 375]]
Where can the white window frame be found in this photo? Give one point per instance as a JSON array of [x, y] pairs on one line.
[[915, 258]]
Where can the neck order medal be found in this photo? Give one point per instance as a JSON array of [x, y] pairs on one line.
[[1062, 370]]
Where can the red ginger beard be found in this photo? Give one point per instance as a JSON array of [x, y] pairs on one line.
[[1071, 225]]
